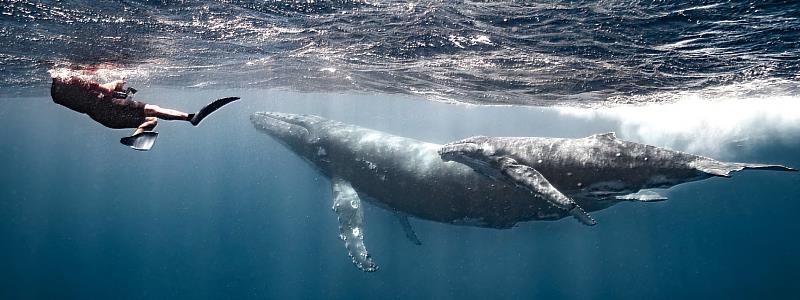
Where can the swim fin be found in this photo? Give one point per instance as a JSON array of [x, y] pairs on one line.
[[142, 141], [210, 108]]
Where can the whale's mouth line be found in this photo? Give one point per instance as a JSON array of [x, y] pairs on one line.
[[289, 120], [271, 116], [278, 124]]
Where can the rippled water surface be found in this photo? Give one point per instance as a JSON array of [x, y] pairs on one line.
[[530, 52]]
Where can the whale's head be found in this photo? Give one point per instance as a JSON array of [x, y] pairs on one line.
[[298, 132]]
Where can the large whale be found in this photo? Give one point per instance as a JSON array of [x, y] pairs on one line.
[[600, 169], [466, 185]]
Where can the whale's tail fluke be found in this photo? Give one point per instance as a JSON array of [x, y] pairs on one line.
[[724, 169]]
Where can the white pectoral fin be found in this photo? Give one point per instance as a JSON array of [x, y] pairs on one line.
[[642, 196], [347, 206], [534, 181], [407, 229]]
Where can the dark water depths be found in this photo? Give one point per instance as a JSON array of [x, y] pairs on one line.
[[222, 211], [471, 51]]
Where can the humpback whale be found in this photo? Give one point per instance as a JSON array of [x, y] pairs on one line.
[[480, 181], [600, 169]]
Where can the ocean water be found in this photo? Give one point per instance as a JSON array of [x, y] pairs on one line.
[[223, 211]]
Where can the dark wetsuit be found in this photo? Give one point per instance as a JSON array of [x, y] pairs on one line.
[[89, 98]]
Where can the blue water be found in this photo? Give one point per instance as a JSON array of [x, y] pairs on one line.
[[223, 211]]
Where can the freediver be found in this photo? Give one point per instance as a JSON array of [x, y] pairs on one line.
[[112, 106]]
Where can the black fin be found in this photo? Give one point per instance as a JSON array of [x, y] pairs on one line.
[[210, 108]]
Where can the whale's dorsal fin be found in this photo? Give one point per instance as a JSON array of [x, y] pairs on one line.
[[407, 229], [347, 206], [529, 178], [605, 136]]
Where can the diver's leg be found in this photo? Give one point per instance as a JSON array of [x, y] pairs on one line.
[[149, 124], [164, 113]]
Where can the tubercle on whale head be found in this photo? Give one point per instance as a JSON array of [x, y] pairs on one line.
[[295, 131]]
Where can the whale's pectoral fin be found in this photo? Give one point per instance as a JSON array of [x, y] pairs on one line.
[[534, 181], [407, 229], [642, 196], [485, 160], [347, 206]]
